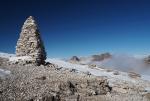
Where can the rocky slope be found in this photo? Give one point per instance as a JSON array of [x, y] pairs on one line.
[[63, 81]]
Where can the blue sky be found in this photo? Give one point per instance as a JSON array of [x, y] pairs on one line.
[[80, 27]]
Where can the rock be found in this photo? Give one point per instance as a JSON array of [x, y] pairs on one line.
[[147, 96], [120, 90], [48, 63], [59, 68], [109, 70], [41, 78], [3, 60], [91, 65], [101, 57], [147, 60], [73, 70], [88, 73], [116, 73], [134, 75], [75, 58], [67, 88], [30, 43]]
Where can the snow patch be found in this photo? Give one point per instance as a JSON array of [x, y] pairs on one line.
[[146, 77], [123, 76], [4, 72], [6, 55], [20, 58]]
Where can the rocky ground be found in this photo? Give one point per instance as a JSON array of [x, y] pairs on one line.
[[54, 83]]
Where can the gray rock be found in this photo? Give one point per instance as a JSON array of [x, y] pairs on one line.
[[134, 75], [101, 57], [75, 58], [3, 61]]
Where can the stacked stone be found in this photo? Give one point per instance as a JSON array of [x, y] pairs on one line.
[[30, 43]]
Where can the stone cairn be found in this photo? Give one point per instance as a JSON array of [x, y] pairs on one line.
[[30, 43]]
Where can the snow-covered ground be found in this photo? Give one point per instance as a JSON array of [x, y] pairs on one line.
[[122, 76], [121, 62], [12, 57], [3, 72], [20, 58], [6, 55], [97, 71]]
